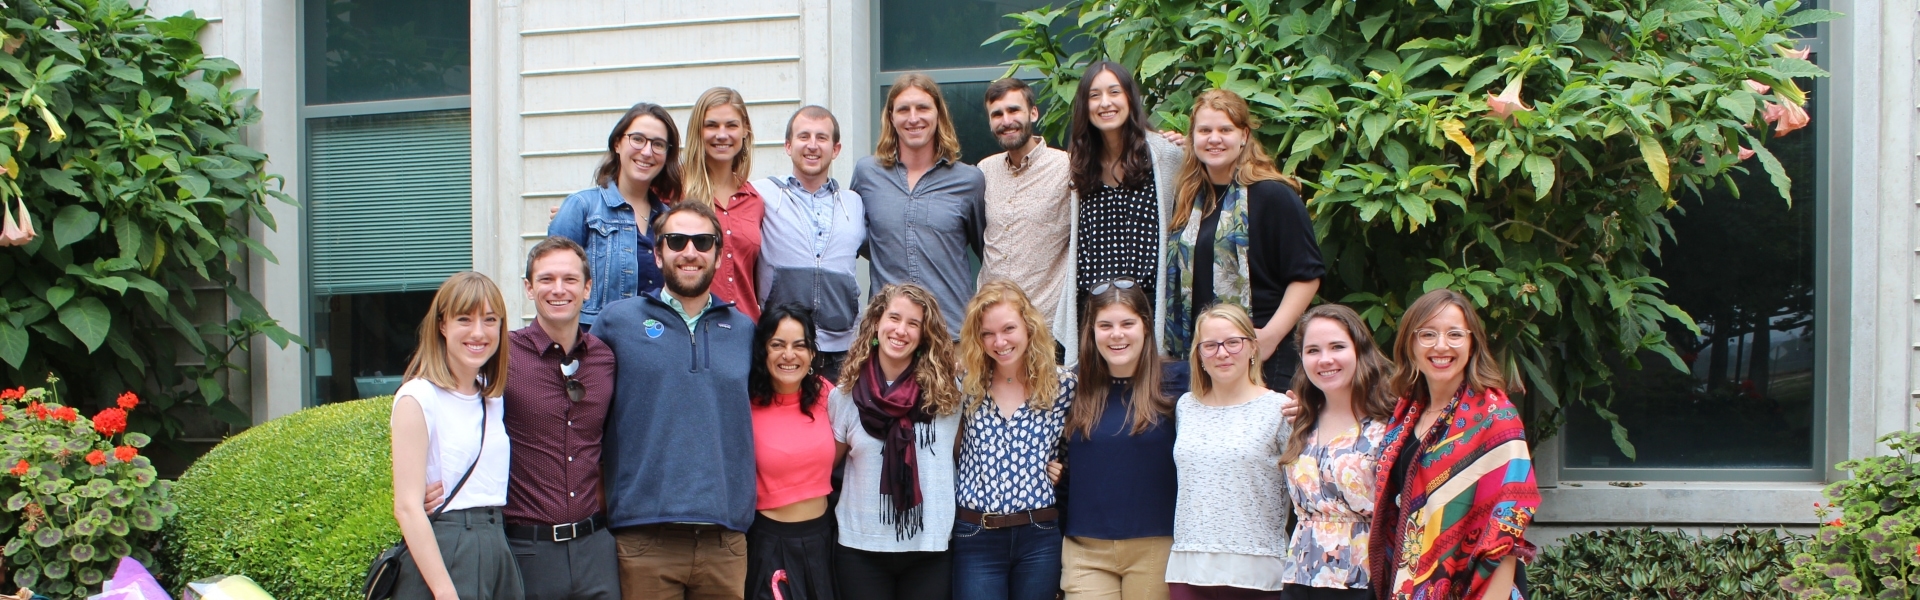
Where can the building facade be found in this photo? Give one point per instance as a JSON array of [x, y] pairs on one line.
[[425, 137]]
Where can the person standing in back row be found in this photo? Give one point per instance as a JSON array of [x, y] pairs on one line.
[[926, 210], [811, 237], [1027, 194], [719, 157], [637, 179], [1123, 185]]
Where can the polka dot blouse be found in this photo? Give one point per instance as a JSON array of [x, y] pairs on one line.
[[1119, 236]]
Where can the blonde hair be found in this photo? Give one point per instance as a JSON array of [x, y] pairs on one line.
[[1043, 372], [938, 395], [1251, 167], [1231, 313], [462, 294], [887, 152], [698, 186]]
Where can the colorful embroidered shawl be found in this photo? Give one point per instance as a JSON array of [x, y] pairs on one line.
[[1463, 507], [1231, 284]]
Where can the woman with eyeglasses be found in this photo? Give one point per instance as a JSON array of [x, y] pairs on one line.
[[1331, 453], [637, 179], [719, 159], [1451, 515], [791, 540], [1239, 235], [1229, 524], [1120, 488], [447, 429], [897, 411]]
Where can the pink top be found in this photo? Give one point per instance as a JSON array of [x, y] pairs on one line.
[[740, 250], [792, 453]]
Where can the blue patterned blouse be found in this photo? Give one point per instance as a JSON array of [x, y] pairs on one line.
[[1003, 462]]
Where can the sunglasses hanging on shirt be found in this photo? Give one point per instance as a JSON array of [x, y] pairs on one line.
[[575, 391]]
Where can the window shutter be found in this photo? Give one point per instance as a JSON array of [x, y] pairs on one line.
[[391, 201]]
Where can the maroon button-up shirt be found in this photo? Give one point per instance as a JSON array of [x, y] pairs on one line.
[[555, 476]]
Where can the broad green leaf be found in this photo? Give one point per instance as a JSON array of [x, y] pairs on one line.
[[1540, 169], [1372, 25], [1656, 158], [13, 344], [1158, 62], [59, 295], [88, 319], [1738, 104], [132, 75], [72, 224], [1776, 172], [61, 180]]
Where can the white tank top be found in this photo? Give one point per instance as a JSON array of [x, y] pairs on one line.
[[453, 437]]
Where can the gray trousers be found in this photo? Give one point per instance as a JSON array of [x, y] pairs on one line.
[[473, 544], [586, 568]]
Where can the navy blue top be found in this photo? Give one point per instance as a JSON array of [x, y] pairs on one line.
[[679, 439], [1120, 486]]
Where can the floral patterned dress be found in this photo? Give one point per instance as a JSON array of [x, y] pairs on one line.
[[1332, 484]]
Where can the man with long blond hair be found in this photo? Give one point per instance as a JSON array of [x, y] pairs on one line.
[[926, 210], [718, 159]]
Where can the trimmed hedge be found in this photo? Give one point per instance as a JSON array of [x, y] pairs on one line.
[[1646, 564], [300, 504]]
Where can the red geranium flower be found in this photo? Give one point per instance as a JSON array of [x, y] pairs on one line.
[[67, 413], [37, 410], [13, 394], [96, 458], [127, 401], [125, 453], [21, 469], [1834, 523], [110, 421]]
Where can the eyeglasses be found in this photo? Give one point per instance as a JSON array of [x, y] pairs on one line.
[[640, 141], [575, 391], [1123, 284], [702, 242], [1429, 338], [1233, 345]]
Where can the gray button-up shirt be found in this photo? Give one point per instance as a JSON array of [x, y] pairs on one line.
[[923, 235]]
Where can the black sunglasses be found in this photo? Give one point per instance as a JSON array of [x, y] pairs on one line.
[[575, 391], [1101, 288], [702, 242]]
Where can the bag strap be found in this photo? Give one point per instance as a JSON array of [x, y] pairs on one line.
[[476, 462]]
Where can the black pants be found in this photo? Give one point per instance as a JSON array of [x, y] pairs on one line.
[[1295, 591], [893, 575], [584, 568], [827, 364], [802, 551]]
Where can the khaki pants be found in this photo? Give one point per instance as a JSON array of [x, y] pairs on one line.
[[1135, 569], [671, 561]]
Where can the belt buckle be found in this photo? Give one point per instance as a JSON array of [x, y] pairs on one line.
[[573, 530], [984, 517]]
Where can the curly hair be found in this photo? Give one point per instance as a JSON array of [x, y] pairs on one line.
[[938, 394], [1370, 395], [976, 369], [760, 376]]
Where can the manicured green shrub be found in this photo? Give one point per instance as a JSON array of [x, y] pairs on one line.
[[299, 504], [1622, 564]]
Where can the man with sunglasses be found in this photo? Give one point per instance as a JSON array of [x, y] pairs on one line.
[[679, 441]]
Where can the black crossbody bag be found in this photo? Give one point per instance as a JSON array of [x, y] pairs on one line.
[[384, 573]]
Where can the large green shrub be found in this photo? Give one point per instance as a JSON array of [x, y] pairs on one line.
[[127, 143], [299, 503], [1869, 549], [1386, 110], [1645, 564]]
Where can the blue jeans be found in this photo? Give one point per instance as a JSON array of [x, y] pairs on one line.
[[1014, 563]]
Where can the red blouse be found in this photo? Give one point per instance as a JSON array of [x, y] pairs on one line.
[[792, 453], [740, 250]]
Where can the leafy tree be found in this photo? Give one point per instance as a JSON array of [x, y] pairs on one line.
[[1523, 152], [126, 143]]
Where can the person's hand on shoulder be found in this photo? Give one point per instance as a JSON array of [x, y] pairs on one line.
[[1290, 407]]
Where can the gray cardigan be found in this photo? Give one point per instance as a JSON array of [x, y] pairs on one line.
[[1166, 179]]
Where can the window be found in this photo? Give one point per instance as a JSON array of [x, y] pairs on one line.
[[388, 177]]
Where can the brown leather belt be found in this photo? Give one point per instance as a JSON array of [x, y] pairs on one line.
[[1013, 519]]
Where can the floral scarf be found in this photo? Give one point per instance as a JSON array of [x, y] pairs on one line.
[[1463, 506], [1231, 284], [888, 413]]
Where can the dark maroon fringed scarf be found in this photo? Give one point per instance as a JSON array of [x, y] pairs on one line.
[[889, 413]]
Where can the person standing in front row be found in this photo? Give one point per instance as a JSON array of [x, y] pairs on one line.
[[1230, 523], [446, 428], [637, 179], [719, 158], [896, 412], [1006, 541], [926, 210], [790, 546], [1123, 183], [1240, 235], [811, 237], [679, 442], [1027, 193]]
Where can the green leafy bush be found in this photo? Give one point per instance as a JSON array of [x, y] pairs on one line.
[[126, 142], [299, 503], [1646, 564], [1869, 549], [1525, 153], [78, 493]]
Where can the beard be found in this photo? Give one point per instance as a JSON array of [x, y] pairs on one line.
[[684, 285], [1007, 142]]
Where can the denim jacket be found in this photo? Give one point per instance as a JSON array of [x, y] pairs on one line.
[[619, 248]]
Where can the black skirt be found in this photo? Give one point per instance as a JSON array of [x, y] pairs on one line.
[[803, 551]]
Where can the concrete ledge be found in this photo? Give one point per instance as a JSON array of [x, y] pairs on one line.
[[1599, 504]]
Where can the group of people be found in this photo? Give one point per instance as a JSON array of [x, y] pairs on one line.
[[1129, 400]]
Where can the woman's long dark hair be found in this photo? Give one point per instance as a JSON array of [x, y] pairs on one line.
[[666, 185], [1146, 405], [760, 378], [1372, 395], [1085, 144]]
